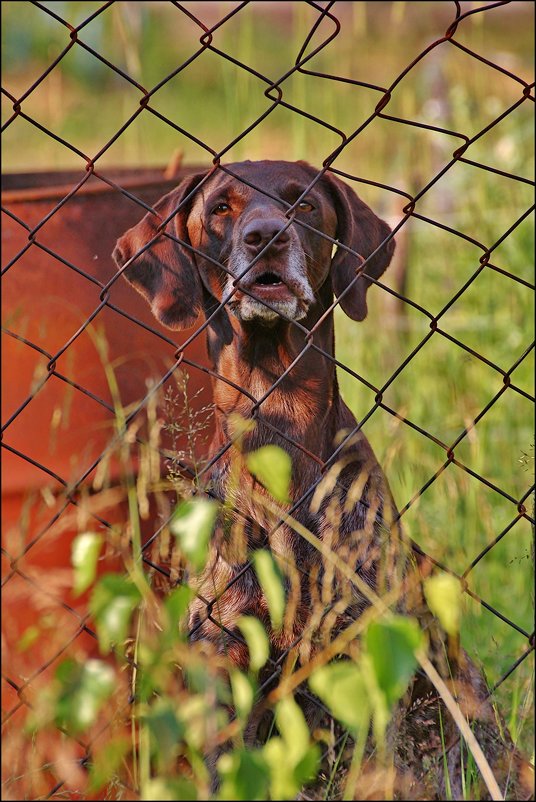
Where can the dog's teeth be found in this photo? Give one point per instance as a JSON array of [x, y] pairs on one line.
[[268, 278]]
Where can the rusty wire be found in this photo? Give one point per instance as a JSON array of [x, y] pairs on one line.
[[274, 92]]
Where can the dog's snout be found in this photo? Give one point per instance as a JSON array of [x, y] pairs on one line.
[[258, 233]]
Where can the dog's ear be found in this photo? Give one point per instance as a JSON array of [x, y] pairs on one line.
[[362, 231], [165, 273]]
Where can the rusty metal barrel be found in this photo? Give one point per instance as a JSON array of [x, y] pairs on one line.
[[54, 274]]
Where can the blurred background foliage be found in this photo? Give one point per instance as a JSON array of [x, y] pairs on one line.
[[445, 387], [85, 102]]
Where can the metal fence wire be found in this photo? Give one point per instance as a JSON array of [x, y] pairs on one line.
[[68, 494]]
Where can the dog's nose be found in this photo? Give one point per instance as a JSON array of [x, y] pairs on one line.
[[258, 233]]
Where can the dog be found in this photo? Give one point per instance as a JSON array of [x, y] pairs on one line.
[[262, 249]]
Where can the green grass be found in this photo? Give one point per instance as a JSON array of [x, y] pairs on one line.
[[443, 389], [215, 100]]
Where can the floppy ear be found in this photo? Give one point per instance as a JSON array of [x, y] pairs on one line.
[[165, 273], [362, 231]]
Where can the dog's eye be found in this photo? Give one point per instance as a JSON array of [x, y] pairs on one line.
[[304, 206], [221, 209]]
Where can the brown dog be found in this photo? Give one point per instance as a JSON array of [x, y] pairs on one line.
[[251, 246], [284, 274]]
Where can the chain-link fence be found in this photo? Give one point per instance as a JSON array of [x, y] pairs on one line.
[[55, 237]]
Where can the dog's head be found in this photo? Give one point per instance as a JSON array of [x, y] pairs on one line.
[[232, 229]]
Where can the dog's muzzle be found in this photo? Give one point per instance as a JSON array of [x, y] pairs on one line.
[[267, 292], [276, 286]]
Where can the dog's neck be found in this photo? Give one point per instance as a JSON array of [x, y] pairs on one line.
[[302, 404]]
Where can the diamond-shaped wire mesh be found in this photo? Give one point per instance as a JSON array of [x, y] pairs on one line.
[[456, 300]]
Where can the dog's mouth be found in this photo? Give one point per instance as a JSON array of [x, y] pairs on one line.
[[270, 286], [268, 279], [272, 292]]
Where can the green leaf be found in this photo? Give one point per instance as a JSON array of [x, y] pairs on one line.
[[176, 607], [271, 582], [282, 785], [83, 690], [443, 593], [112, 603], [244, 774], [391, 645], [28, 638], [161, 789], [192, 524], [343, 689], [243, 689], [107, 761], [307, 768], [201, 719], [198, 679], [292, 759], [256, 639], [379, 704], [177, 602], [165, 729], [292, 728], [85, 551], [239, 426], [272, 466]]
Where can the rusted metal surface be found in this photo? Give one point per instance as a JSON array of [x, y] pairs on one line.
[[46, 300], [49, 293]]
